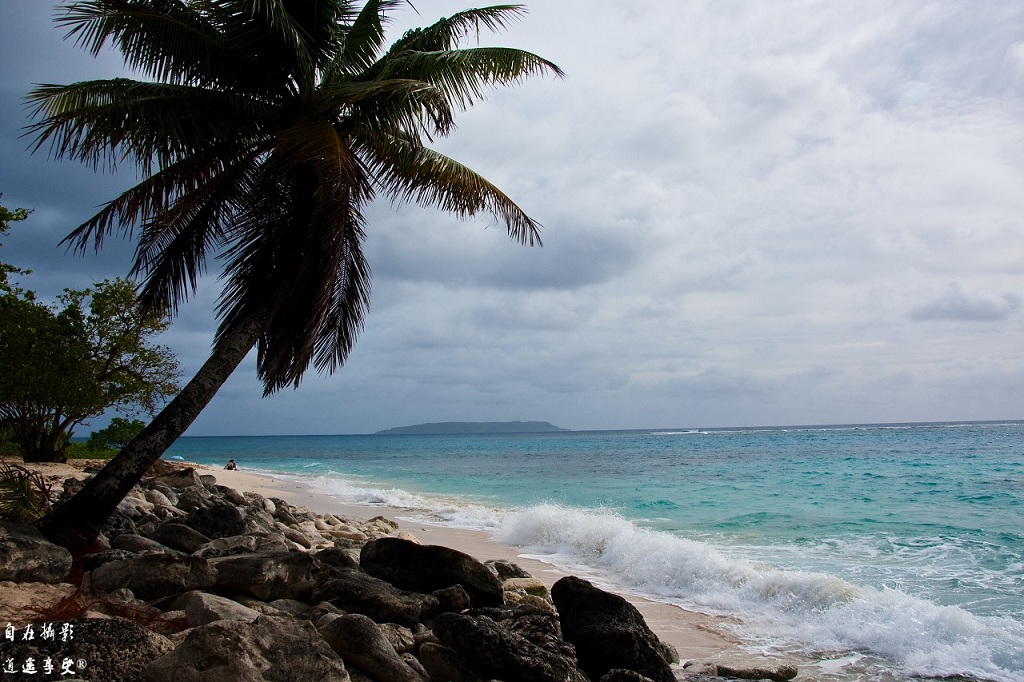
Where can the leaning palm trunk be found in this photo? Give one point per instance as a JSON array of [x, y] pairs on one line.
[[76, 523]]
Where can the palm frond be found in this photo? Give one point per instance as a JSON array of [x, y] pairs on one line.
[[446, 33], [364, 37], [428, 178], [465, 75], [107, 121]]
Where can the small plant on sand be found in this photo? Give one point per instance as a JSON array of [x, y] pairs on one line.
[[24, 494]]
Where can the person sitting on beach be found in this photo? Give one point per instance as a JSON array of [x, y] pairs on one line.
[[231, 465]]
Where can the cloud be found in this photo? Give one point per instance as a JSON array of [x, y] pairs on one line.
[[964, 306]]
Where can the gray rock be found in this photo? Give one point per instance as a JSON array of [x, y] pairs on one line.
[[361, 644], [505, 569], [607, 631], [177, 535], [493, 652], [442, 663], [621, 675], [336, 558], [285, 575], [107, 648], [202, 608], [452, 599], [155, 576], [401, 637], [218, 520], [184, 478], [780, 672], [425, 568], [231, 546], [356, 592], [137, 543], [26, 556], [278, 649]]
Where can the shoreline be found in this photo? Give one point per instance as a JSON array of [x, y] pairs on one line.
[[696, 636]]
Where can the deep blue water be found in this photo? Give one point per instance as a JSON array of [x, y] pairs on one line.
[[898, 550]]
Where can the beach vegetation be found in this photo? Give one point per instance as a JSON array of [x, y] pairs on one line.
[[262, 133], [63, 364], [24, 494]]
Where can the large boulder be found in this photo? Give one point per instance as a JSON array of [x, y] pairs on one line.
[[154, 576], [357, 592], [27, 557], [178, 536], [607, 631], [96, 649], [273, 648], [201, 608], [281, 575], [426, 568], [494, 652], [219, 520], [362, 644]]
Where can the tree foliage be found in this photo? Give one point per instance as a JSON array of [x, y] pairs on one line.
[[116, 434], [63, 364]]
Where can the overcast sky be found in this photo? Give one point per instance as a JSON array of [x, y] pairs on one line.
[[755, 213]]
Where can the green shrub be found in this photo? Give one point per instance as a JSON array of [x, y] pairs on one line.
[[24, 495]]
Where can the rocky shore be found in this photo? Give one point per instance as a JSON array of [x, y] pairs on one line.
[[194, 580]]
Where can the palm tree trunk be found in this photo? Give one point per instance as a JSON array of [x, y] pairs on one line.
[[76, 523]]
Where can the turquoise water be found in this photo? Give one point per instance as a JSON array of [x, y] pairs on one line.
[[894, 551]]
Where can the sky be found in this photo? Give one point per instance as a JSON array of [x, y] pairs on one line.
[[755, 213]]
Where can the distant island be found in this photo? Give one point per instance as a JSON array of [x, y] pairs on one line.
[[453, 428]]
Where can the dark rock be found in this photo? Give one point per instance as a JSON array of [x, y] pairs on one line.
[[194, 499], [541, 629], [26, 556], [607, 631], [90, 562], [177, 535], [425, 568], [154, 576], [232, 495], [452, 599], [276, 649], [219, 520], [621, 675], [336, 558], [354, 591], [442, 663], [493, 652], [107, 648], [118, 523], [401, 637], [505, 569], [361, 644], [137, 543], [283, 575]]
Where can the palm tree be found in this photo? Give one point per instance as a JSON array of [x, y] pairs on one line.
[[265, 130]]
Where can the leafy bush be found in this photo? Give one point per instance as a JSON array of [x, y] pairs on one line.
[[24, 494]]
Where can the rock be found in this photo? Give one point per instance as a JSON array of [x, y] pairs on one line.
[[704, 668], [527, 585], [453, 599], [119, 523], [177, 535], [361, 643], [541, 629], [442, 663], [106, 648], [354, 591], [231, 546], [154, 576], [505, 569], [219, 520], [493, 652], [401, 637], [621, 675], [283, 575], [607, 631], [202, 608], [779, 672], [137, 543], [425, 568], [26, 556], [184, 478], [335, 557], [279, 649]]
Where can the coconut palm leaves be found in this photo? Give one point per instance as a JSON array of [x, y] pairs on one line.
[[266, 129]]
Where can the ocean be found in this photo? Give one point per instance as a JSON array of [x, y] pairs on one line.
[[884, 552]]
